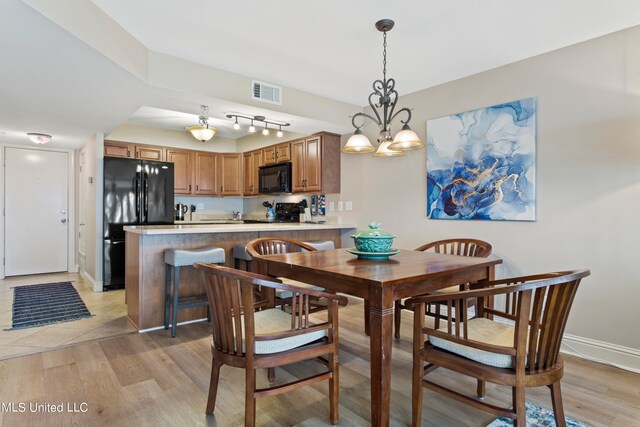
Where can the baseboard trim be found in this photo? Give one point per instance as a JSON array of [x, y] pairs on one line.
[[97, 286], [626, 358]]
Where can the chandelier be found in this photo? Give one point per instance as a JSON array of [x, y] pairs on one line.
[[387, 96], [262, 119], [202, 132]]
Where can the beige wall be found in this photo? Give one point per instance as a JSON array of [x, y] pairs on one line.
[[588, 178], [91, 202]]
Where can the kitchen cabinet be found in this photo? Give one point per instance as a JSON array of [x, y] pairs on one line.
[[230, 174], [182, 170], [133, 151], [252, 161], [277, 153], [205, 174], [316, 163]]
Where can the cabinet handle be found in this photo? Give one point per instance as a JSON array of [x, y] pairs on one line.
[[196, 187], [221, 188], [189, 187], [128, 153]]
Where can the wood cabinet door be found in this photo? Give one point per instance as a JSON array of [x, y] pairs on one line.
[[230, 175], [313, 164], [205, 174], [298, 151], [149, 152], [283, 152], [269, 155], [182, 172], [255, 170], [119, 149], [247, 175]]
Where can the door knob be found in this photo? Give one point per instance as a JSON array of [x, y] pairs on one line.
[[63, 220]]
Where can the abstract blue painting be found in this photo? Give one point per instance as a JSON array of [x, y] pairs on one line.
[[481, 163]]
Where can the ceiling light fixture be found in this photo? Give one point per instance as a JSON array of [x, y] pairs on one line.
[[39, 138], [202, 132], [262, 119], [384, 89], [236, 125]]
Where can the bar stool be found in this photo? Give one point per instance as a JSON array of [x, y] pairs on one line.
[[240, 253], [177, 258]]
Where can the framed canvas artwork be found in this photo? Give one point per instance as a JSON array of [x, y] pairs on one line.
[[481, 163]]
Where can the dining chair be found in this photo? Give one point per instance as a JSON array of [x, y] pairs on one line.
[[249, 339], [462, 247], [280, 245], [517, 346]]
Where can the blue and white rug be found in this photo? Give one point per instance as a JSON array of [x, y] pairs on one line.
[[38, 305], [536, 417]]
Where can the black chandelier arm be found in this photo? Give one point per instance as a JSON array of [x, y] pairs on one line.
[[374, 108], [404, 110], [353, 119], [393, 98]]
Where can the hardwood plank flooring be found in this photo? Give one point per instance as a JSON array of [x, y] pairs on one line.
[[108, 310], [152, 379]]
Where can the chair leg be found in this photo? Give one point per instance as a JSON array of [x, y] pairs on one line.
[[167, 296], [334, 389], [366, 317], [416, 394], [556, 400], [213, 386], [519, 406], [397, 318], [271, 374], [481, 389], [174, 314], [250, 398]]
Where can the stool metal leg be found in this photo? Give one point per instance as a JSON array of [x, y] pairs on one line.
[[167, 296], [174, 320]]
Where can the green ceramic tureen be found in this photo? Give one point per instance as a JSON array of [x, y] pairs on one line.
[[373, 240]]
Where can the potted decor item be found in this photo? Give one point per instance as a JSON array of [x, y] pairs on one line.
[[373, 243]]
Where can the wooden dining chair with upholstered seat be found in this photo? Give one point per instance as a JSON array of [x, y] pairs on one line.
[[280, 245], [462, 247], [519, 356], [249, 339]]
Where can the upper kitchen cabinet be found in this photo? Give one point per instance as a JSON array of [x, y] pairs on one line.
[[133, 151], [316, 163], [277, 153], [182, 169], [230, 174], [205, 174], [252, 161]]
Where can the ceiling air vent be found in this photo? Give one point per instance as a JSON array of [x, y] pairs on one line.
[[266, 92]]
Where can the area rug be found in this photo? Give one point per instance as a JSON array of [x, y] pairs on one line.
[[37, 305], [536, 417]]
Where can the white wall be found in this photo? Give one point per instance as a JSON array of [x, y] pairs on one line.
[[588, 179]]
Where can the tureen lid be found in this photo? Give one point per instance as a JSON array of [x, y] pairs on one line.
[[374, 232]]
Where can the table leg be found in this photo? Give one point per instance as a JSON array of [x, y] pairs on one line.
[[380, 341], [366, 317]]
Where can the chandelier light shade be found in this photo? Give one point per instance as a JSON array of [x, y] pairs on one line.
[[39, 138], [202, 131], [387, 96]]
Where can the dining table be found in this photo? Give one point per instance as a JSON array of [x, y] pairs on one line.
[[380, 283]]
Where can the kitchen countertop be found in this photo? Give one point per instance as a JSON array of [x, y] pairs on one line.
[[195, 228]]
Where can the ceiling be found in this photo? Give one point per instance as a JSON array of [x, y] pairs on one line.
[[52, 82]]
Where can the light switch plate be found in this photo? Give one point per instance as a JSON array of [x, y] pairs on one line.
[[348, 206], [332, 206], [199, 206], [340, 205]]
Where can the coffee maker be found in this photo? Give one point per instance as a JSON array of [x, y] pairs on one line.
[[180, 210]]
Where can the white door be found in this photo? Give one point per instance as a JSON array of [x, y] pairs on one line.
[[36, 209]]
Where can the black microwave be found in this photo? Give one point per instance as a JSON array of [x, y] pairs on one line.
[[275, 178]]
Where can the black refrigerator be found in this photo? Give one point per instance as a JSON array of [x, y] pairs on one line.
[[136, 192]]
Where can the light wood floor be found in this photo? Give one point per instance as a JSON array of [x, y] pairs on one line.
[[108, 310], [153, 380]]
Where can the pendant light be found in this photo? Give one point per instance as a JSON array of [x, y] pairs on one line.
[[387, 96], [202, 132]]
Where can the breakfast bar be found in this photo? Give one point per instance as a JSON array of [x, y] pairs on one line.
[[145, 268]]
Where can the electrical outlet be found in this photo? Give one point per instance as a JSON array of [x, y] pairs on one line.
[[340, 205], [332, 206], [348, 206], [200, 206]]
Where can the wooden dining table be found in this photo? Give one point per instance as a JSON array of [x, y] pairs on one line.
[[380, 283]]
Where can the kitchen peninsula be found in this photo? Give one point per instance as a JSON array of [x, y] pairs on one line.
[[145, 268]]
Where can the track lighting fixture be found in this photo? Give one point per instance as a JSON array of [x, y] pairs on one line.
[[262, 119]]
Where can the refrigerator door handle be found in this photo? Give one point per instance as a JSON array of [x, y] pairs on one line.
[[137, 190], [146, 199]]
